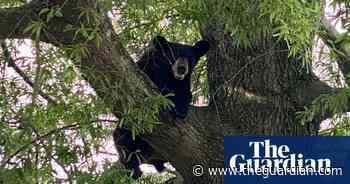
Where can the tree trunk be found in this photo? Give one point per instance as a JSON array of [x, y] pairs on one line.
[[254, 90]]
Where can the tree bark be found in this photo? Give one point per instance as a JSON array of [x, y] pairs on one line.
[[259, 90], [255, 91]]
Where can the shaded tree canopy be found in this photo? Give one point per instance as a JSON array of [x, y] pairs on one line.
[[68, 77]]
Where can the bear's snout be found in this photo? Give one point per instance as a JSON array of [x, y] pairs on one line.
[[180, 68]]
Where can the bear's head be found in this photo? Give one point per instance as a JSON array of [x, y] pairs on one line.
[[181, 58]]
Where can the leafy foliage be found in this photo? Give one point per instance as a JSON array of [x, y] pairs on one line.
[[33, 135], [140, 119]]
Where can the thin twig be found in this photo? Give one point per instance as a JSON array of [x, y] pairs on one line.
[[26, 79], [35, 140]]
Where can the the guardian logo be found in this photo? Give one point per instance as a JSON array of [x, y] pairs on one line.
[[267, 155], [285, 159]]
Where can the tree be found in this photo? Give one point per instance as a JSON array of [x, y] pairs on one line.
[[258, 73]]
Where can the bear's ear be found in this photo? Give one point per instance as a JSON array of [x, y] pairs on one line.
[[201, 48], [160, 43]]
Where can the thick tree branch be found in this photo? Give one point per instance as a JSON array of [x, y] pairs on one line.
[[197, 139], [108, 68], [331, 38], [307, 93], [15, 20]]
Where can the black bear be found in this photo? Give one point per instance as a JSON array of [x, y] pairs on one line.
[[169, 66]]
